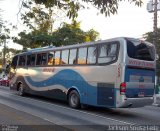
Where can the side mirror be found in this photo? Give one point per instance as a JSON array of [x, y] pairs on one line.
[[157, 57]]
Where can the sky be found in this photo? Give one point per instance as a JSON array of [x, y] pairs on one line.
[[130, 21]]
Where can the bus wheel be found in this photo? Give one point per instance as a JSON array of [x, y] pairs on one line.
[[20, 90], [74, 99]]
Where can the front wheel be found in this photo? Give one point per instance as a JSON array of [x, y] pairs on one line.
[[74, 99], [20, 90]]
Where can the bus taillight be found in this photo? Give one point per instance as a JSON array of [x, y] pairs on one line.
[[123, 88]]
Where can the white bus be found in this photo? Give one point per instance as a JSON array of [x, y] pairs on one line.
[[118, 72]]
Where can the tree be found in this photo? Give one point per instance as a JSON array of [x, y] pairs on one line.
[[65, 35], [149, 37], [4, 36], [106, 7], [72, 34], [40, 21], [39, 18]]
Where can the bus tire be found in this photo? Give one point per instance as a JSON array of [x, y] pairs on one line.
[[74, 99], [20, 90]]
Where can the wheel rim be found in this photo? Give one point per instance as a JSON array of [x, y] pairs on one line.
[[74, 100]]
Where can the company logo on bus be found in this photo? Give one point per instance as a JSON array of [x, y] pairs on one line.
[[141, 63], [48, 70]]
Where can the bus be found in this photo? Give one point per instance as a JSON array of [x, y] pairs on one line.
[[113, 73]]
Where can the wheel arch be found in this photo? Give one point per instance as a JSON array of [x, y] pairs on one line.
[[18, 84], [71, 89]]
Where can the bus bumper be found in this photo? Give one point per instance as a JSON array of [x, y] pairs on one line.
[[137, 102]]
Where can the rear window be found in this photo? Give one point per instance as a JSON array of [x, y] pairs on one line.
[[140, 50]]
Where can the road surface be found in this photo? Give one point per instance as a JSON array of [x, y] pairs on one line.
[[31, 110]]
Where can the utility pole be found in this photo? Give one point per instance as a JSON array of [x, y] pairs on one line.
[[155, 23], [153, 6], [4, 53]]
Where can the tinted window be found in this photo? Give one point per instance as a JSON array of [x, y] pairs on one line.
[[22, 60], [64, 60], [28, 60], [82, 54], [44, 59], [50, 58], [91, 58], [140, 50], [33, 57], [39, 59], [57, 58], [14, 61], [72, 56], [107, 52]]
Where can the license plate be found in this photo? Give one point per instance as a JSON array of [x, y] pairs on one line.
[[141, 94]]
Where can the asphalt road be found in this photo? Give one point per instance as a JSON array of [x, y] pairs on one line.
[[31, 110], [12, 119]]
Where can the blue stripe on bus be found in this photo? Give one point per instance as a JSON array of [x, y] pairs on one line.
[[61, 78], [69, 78]]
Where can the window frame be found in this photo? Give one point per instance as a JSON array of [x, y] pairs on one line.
[[67, 59], [59, 57], [75, 57], [78, 55], [88, 53], [19, 60], [117, 52], [96, 46]]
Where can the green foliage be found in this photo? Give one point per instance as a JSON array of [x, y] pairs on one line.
[[149, 37], [39, 18], [66, 35], [106, 7], [4, 34], [72, 34]]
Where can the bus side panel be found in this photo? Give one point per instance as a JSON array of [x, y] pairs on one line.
[[93, 90], [105, 94]]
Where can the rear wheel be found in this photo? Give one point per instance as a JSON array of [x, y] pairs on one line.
[[20, 90], [74, 99]]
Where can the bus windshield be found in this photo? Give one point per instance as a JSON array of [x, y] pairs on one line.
[[140, 50]]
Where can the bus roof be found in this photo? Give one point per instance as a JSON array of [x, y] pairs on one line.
[[48, 48]]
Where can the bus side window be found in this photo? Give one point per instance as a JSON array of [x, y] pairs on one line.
[[65, 54], [57, 58], [14, 62], [107, 53], [72, 56], [39, 58], [82, 54], [44, 59], [92, 53], [33, 58], [50, 58], [22, 60], [112, 51], [28, 60]]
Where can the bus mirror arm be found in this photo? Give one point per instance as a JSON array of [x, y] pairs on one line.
[[157, 57]]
